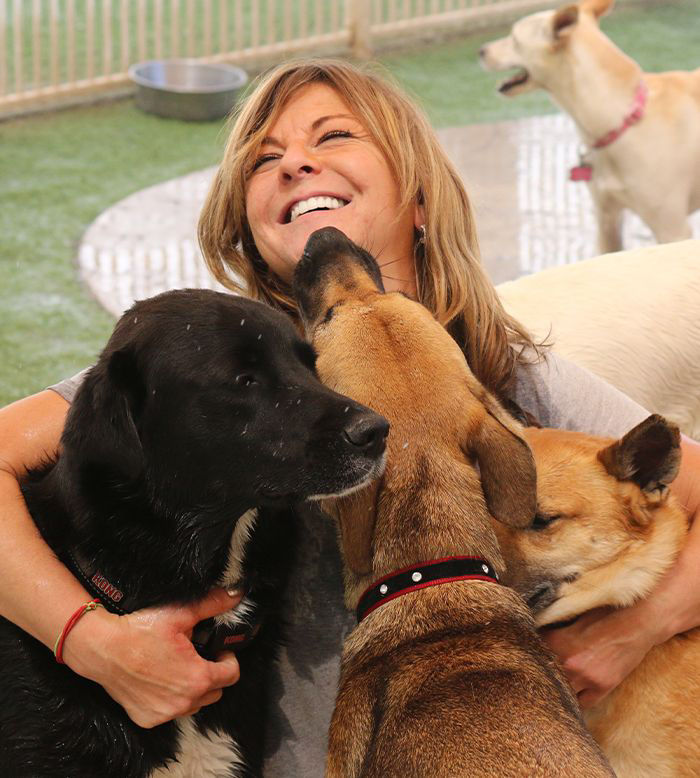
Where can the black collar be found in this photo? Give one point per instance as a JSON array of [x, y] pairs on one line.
[[208, 638], [420, 576]]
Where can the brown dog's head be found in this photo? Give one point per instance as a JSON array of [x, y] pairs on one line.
[[388, 352], [606, 528]]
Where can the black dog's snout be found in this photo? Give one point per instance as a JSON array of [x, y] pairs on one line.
[[367, 432]]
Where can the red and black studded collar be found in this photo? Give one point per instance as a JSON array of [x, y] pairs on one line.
[[420, 576]]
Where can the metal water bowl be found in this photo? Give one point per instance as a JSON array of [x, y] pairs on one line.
[[187, 89]]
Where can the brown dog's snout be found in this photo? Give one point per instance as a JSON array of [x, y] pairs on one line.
[[331, 263], [368, 433], [325, 240]]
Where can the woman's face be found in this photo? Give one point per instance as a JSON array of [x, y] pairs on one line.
[[318, 167]]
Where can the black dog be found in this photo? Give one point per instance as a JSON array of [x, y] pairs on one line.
[[202, 407]]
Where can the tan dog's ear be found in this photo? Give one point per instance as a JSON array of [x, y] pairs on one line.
[[507, 469], [649, 455], [597, 7], [563, 21], [356, 515]]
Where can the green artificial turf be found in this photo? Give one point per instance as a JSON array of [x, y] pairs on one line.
[[59, 171]]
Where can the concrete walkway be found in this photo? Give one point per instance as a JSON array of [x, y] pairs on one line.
[[529, 215]]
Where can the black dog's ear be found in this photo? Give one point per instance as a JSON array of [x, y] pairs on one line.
[[649, 455], [125, 376], [104, 418]]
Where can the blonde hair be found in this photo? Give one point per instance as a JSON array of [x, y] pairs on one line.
[[450, 279]]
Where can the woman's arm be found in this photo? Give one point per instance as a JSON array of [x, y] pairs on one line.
[[144, 660], [602, 647]]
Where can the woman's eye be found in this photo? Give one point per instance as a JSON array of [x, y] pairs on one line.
[[262, 160], [335, 134]]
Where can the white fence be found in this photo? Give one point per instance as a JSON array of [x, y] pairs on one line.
[[57, 50]]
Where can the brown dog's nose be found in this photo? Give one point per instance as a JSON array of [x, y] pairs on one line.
[[367, 432]]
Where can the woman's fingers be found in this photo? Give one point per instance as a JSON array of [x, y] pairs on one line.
[[208, 699], [218, 601], [598, 651], [225, 670], [147, 663]]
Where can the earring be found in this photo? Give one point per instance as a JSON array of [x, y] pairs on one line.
[[418, 259]]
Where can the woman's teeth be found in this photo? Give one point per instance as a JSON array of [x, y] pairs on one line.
[[313, 204]]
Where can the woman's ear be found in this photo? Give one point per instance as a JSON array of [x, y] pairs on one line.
[[418, 215]]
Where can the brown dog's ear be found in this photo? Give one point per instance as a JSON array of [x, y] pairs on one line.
[[507, 468], [356, 515], [597, 7], [649, 455], [563, 20]]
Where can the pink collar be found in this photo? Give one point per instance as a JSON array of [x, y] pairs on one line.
[[635, 115]]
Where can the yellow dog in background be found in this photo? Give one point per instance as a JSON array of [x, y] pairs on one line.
[[641, 131]]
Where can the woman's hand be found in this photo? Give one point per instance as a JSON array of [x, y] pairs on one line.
[[146, 661], [600, 649]]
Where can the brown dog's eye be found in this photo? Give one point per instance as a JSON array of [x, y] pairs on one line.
[[329, 315]]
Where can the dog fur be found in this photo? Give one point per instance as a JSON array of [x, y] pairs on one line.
[[653, 168], [630, 318], [188, 444], [450, 680], [607, 531]]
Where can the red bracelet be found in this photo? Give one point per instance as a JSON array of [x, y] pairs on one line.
[[72, 621]]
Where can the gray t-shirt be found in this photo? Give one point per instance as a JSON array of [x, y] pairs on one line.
[[559, 394]]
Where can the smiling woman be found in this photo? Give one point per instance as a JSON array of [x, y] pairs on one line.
[[318, 143], [319, 166]]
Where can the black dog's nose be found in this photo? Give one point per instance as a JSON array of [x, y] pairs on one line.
[[482, 52], [368, 432]]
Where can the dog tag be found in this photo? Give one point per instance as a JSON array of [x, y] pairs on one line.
[[582, 172]]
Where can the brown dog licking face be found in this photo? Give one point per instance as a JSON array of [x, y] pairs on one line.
[[450, 442]]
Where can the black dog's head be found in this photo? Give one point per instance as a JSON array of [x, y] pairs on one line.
[[206, 402]]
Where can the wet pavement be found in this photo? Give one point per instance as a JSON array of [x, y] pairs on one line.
[[529, 215]]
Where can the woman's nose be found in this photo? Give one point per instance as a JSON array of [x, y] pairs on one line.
[[297, 162]]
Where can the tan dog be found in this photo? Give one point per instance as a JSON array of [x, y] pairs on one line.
[[641, 130], [440, 680], [607, 530]]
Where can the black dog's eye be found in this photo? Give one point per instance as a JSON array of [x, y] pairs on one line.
[[306, 354], [542, 521], [245, 379]]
